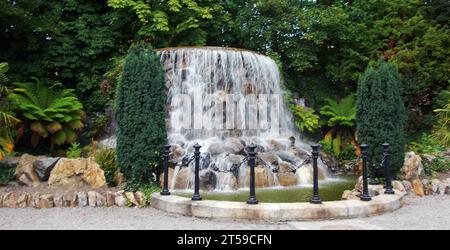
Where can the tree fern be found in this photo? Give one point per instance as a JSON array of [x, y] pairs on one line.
[[51, 112]]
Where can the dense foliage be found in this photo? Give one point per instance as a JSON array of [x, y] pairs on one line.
[[381, 114], [140, 114]]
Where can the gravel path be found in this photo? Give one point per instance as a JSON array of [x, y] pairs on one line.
[[431, 212]]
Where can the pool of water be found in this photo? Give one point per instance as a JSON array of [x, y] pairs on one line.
[[330, 190]]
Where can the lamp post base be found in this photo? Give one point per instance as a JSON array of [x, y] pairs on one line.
[[252, 201], [165, 193], [366, 198], [316, 200], [196, 197], [389, 191]]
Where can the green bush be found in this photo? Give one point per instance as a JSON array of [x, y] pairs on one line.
[[6, 175], [381, 113], [140, 114], [425, 145], [107, 159], [74, 151], [439, 164]]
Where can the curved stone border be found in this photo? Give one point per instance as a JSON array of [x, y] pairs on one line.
[[278, 211]]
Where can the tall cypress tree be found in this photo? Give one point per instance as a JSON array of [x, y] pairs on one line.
[[381, 113], [140, 114]]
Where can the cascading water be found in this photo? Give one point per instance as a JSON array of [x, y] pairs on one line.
[[226, 99]]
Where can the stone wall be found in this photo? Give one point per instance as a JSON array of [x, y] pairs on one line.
[[19, 199]]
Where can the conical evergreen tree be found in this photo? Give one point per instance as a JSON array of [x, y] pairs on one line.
[[381, 113], [140, 114]]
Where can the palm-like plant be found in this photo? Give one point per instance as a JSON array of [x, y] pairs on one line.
[[49, 112], [441, 131], [341, 122], [7, 120]]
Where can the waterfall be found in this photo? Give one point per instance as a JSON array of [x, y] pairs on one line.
[[225, 99]]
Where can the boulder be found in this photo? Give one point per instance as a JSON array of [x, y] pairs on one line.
[[417, 187], [92, 198], [183, 179], [82, 199], [33, 200], [235, 145], [110, 199], [407, 185], [287, 179], [398, 185], [141, 199], [435, 183], [77, 173], [218, 148], [100, 200], [443, 188], [261, 179], [44, 166], [58, 200], [131, 198], [70, 199], [269, 158], [25, 173], [274, 145], [9, 162], [427, 187], [413, 167], [350, 195], [15, 200], [45, 201], [286, 167], [299, 153], [119, 198]]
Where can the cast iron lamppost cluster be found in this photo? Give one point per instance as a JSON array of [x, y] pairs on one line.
[[251, 150]]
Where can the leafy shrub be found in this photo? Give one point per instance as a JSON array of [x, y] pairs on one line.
[[96, 125], [148, 190], [107, 159], [441, 130], [305, 118], [381, 114], [140, 114], [341, 121], [6, 175], [49, 112], [74, 151], [425, 145], [439, 164]]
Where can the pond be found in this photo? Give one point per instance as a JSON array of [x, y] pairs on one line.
[[330, 190]]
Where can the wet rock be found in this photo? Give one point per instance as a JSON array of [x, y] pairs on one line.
[[412, 168], [208, 180], [170, 174], [261, 177], [205, 161], [82, 199], [183, 179], [25, 173], [287, 179], [305, 175], [289, 158], [286, 167], [274, 145], [331, 162], [218, 148], [227, 181], [77, 173], [235, 145], [177, 152], [299, 153], [43, 167], [269, 158], [418, 187]]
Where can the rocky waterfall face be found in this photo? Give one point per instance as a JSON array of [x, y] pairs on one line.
[[226, 99]]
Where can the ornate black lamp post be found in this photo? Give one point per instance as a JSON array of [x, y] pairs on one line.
[[365, 195], [196, 196], [387, 170], [166, 153], [251, 161], [315, 153]]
